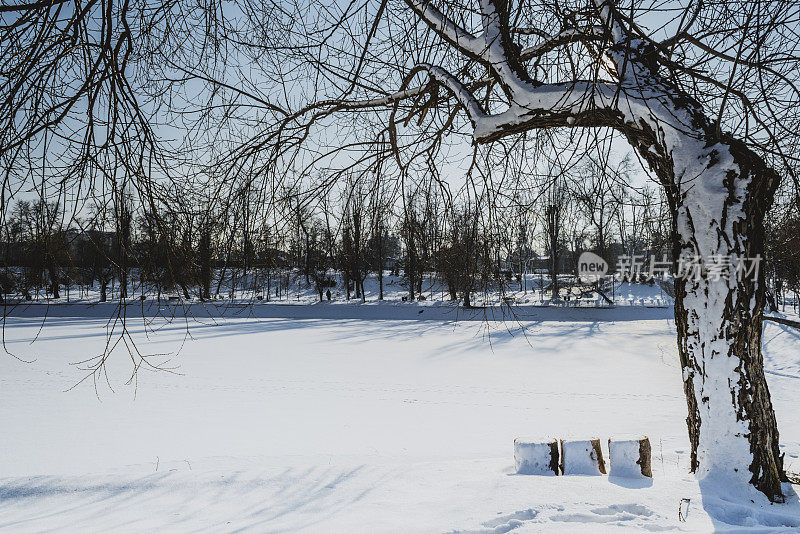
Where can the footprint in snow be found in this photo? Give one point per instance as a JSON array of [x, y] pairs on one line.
[[503, 523], [617, 514]]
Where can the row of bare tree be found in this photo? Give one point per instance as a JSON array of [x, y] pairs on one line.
[[124, 250]]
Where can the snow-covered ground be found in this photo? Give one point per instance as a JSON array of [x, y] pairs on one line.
[[362, 418]]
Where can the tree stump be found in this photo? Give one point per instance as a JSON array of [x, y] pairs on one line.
[[630, 458], [536, 457], [582, 457]]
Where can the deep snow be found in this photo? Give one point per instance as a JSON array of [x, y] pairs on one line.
[[278, 421]]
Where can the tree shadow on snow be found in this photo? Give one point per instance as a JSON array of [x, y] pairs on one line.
[[631, 483], [288, 500], [775, 339], [747, 509]]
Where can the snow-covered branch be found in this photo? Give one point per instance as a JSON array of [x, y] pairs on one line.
[[448, 30], [462, 94], [504, 61], [573, 104]]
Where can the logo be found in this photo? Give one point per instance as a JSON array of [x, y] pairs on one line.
[[591, 267]]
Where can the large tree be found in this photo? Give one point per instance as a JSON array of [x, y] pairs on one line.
[[681, 104]]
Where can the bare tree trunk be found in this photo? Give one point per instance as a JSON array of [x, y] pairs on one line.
[[380, 281], [53, 269], [124, 242], [553, 228], [205, 264], [411, 269], [719, 336], [305, 261], [412, 279], [718, 229]]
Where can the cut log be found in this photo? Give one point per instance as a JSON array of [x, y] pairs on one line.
[[536, 457], [630, 458], [582, 457]]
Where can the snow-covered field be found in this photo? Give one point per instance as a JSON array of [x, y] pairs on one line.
[[360, 418]]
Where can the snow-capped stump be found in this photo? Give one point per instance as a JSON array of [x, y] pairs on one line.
[[582, 457], [630, 458], [536, 457]]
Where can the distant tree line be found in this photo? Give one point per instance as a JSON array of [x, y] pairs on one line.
[[121, 249]]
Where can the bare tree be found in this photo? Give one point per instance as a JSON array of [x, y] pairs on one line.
[[594, 193], [379, 245], [205, 255], [459, 257], [553, 226], [123, 219]]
